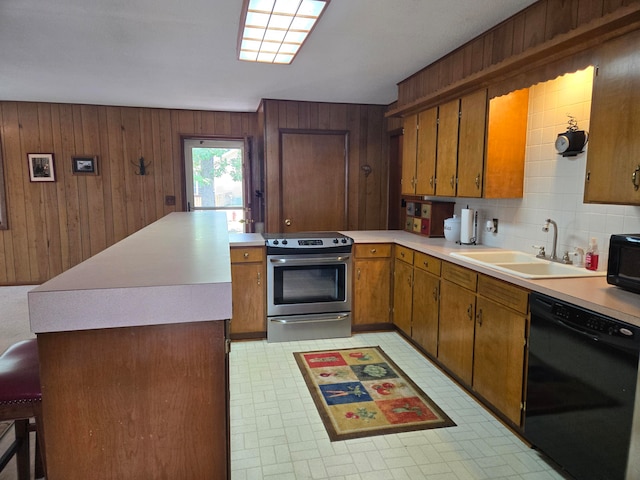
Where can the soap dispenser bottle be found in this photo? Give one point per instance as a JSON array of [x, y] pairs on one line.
[[592, 256]]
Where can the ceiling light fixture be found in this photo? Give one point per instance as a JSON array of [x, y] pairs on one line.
[[272, 31]]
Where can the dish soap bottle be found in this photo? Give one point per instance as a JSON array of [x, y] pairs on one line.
[[592, 256]]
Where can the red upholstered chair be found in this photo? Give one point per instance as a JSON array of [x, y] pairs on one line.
[[20, 401]]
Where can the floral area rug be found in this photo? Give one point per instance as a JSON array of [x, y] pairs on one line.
[[360, 392]]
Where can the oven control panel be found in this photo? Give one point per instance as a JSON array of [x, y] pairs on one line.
[[304, 243]]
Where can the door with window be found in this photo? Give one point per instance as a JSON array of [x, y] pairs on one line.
[[216, 179]]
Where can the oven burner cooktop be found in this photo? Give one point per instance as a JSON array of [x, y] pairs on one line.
[[310, 242]]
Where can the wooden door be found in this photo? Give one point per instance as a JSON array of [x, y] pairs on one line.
[[402, 295], [447, 158], [426, 304], [457, 324], [473, 121], [614, 143], [314, 178], [426, 157], [409, 155], [499, 357]]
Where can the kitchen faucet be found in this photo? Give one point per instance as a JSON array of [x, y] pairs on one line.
[[545, 228], [554, 257]]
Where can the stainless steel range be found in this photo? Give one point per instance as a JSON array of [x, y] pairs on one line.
[[308, 286]]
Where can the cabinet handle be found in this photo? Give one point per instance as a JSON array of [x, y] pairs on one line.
[[470, 311], [426, 264], [402, 254], [431, 181], [358, 276], [259, 278], [373, 250], [246, 255], [452, 180], [634, 178], [409, 280], [435, 294], [478, 181], [479, 315]]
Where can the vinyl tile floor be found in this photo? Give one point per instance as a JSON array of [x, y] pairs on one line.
[[277, 433]]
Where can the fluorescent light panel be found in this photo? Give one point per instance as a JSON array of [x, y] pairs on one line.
[[274, 30]]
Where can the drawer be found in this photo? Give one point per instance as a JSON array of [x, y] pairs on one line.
[[505, 293], [460, 276], [247, 254], [405, 254], [372, 250], [427, 263]]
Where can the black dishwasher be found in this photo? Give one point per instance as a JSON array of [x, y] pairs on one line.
[[581, 386]]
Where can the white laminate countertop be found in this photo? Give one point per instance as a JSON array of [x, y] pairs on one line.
[[175, 270], [593, 293]]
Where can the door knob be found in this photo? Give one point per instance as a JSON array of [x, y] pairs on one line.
[[287, 222]]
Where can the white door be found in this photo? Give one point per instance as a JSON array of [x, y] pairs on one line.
[[214, 174]]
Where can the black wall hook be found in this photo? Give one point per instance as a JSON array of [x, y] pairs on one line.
[[141, 166]]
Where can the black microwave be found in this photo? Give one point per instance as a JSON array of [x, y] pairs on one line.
[[623, 269]]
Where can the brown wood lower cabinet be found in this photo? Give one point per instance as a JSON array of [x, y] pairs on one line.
[[248, 280], [457, 328], [403, 289], [499, 351], [136, 402], [371, 284], [426, 302]]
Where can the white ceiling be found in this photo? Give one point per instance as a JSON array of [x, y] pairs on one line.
[[182, 53]]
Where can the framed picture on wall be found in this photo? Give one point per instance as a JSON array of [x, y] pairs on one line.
[[41, 167], [84, 165]]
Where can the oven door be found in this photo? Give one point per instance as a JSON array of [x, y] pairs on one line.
[[308, 284]]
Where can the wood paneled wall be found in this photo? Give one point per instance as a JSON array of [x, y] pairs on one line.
[[368, 145], [526, 31], [56, 225]]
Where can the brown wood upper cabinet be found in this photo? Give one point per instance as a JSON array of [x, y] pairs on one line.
[[613, 163], [474, 146], [419, 153]]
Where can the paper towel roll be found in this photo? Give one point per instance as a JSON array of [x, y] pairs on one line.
[[466, 226]]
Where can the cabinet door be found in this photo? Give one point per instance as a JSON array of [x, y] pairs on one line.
[[447, 158], [402, 295], [473, 121], [614, 143], [248, 298], [372, 291], [426, 305], [457, 323], [409, 155], [426, 159], [499, 357]]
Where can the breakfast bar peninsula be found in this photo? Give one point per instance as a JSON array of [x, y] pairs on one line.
[[133, 356]]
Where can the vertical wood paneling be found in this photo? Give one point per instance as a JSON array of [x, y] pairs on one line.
[[56, 225], [540, 22], [16, 167], [367, 146]]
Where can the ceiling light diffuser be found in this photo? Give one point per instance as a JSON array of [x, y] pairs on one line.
[[273, 31]]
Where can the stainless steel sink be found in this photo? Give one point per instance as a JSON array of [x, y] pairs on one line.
[[524, 265]]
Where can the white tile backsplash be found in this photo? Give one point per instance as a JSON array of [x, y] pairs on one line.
[[554, 185]]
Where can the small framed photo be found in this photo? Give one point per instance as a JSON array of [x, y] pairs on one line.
[[41, 167], [84, 165]]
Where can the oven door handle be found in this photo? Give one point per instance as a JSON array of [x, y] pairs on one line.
[[308, 261], [299, 319]]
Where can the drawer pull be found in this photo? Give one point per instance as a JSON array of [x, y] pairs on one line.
[[246, 255], [373, 250], [426, 264]]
